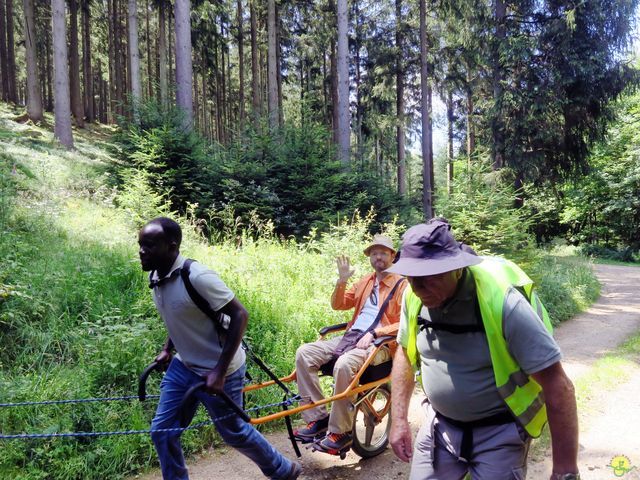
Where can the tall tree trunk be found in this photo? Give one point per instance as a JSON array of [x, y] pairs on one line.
[[49, 73], [62, 129], [497, 124], [240, 40], [149, 62], [279, 68], [344, 117], [34, 99], [42, 77], [335, 121], [427, 132], [224, 105], [205, 101], [263, 69], [104, 96], [325, 94], [4, 64], [272, 65], [196, 99], [77, 106], [111, 13], [218, 90], [125, 53], [162, 53], [450, 119], [11, 55], [400, 137], [359, 109], [120, 63], [86, 61], [170, 49], [134, 59], [100, 108], [184, 69], [255, 72], [471, 134], [303, 90]]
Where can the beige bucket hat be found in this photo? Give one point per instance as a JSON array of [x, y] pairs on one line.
[[380, 240]]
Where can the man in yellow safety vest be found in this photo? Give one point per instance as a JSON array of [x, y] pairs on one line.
[[490, 367]]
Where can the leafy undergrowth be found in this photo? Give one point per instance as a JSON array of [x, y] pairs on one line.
[[76, 316]]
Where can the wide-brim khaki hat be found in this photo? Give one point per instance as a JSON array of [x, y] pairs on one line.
[[380, 240]]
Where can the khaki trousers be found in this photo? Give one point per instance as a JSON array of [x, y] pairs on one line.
[[309, 358]]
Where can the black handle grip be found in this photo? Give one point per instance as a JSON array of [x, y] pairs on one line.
[[384, 339], [332, 328], [142, 382], [189, 398]]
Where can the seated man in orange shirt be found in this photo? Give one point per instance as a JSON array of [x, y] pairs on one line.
[[373, 316]]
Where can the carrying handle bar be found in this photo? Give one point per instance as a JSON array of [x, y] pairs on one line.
[[189, 398], [142, 382]]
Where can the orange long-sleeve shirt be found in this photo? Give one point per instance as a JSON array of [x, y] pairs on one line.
[[357, 294]]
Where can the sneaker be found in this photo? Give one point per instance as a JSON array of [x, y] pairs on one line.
[[312, 430], [336, 441], [295, 471]]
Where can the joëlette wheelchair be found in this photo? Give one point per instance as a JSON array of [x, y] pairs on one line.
[[370, 387]]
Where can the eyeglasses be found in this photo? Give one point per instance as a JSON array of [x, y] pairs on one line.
[[373, 296]]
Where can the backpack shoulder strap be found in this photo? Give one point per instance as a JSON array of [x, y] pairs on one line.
[[424, 324], [198, 299]]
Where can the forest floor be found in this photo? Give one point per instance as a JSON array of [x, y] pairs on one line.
[[609, 407]]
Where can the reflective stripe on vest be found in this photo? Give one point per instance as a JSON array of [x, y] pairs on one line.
[[493, 278]]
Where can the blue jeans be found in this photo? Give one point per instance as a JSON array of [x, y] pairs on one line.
[[233, 430]]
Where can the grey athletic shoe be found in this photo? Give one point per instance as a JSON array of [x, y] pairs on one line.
[[336, 441], [312, 430]]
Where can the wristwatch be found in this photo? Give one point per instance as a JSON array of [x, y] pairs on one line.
[[565, 476]]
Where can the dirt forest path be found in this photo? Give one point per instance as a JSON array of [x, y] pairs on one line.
[[608, 426]]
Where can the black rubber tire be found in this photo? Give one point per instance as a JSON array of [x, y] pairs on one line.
[[371, 430]]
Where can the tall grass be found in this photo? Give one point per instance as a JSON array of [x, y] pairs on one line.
[[566, 286], [76, 316]]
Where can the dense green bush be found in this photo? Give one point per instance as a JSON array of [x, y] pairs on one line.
[[598, 251], [482, 211], [173, 160], [566, 287], [291, 177], [603, 207]]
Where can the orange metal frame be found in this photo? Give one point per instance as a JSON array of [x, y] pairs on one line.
[[354, 388]]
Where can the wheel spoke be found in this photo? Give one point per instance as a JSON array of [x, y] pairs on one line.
[[368, 435]]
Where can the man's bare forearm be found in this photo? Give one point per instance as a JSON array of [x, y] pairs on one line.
[[562, 415], [239, 318], [402, 385]]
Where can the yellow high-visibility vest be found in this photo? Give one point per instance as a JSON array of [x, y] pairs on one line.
[[493, 278]]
